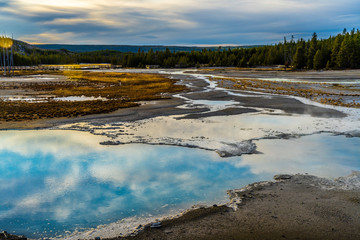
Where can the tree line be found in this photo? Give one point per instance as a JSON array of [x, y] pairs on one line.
[[336, 52]]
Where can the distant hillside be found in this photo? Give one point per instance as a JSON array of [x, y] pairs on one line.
[[23, 47], [127, 48]]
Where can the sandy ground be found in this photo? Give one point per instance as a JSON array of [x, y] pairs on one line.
[[302, 207]]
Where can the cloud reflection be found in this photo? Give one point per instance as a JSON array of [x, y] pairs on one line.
[[321, 155], [66, 178]]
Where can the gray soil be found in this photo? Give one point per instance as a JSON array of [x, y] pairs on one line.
[[295, 208]]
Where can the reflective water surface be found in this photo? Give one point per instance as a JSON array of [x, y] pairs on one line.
[[56, 181]]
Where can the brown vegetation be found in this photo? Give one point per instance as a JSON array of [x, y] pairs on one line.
[[120, 90], [35, 72]]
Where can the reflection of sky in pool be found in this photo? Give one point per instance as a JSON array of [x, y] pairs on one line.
[[53, 181]]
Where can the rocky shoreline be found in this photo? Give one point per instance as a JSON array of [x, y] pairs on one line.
[[6, 236]]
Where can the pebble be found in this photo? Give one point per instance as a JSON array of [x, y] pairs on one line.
[[156, 225]]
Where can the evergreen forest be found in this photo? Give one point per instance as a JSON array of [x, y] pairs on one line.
[[336, 52]]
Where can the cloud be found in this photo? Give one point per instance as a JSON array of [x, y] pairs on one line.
[[51, 37], [3, 4], [178, 22]]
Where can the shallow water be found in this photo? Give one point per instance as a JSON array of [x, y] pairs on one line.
[[57, 181]]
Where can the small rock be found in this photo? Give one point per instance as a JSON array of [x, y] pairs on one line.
[[97, 238], [111, 143], [282, 177], [156, 225], [147, 225]]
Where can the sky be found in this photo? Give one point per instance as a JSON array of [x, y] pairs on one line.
[[174, 22]]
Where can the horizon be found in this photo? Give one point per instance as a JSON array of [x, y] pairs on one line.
[[175, 23], [145, 45]]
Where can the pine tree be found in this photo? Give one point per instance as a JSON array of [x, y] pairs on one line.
[[299, 60], [357, 50], [242, 62], [312, 51], [335, 51], [318, 60], [343, 57]]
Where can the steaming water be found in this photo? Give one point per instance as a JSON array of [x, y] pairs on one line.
[[56, 181]]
